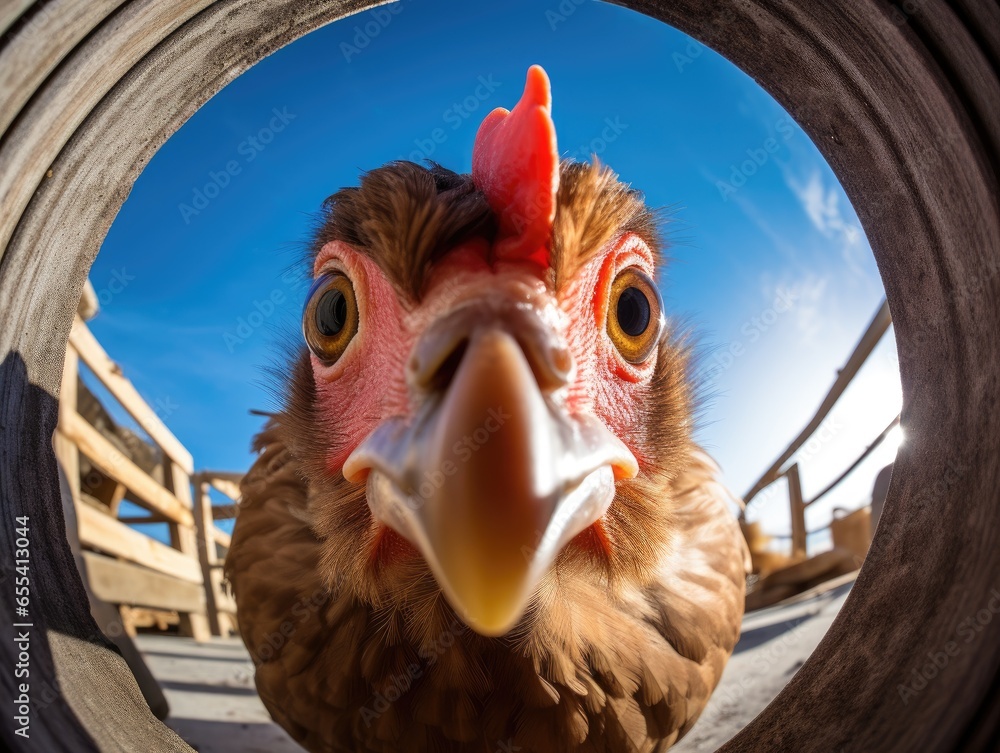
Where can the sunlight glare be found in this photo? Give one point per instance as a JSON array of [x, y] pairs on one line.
[[894, 439]]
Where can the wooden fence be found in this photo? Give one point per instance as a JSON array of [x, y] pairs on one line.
[[782, 468], [124, 566]]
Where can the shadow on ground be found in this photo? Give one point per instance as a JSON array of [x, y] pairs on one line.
[[213, 702]]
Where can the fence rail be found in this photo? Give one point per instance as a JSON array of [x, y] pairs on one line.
[[781, 468]]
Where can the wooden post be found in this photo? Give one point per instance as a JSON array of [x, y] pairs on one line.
[[116, 499], [66, 451], [210, 566], [183, 537], [798, 511]]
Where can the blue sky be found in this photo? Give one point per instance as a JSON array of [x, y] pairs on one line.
[[770, 266]]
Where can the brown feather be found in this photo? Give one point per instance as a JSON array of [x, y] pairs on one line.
[[621, 647], [406, 217], [592, 208]]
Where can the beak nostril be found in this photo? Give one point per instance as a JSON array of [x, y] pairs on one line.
[[445, 372], [550, 364]]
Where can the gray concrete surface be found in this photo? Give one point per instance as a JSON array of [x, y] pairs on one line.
[[213, 702], [214, 707]]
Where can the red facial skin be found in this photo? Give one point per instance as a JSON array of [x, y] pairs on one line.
[[367, 384]]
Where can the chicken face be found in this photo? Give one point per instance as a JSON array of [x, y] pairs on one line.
[[487, 417]]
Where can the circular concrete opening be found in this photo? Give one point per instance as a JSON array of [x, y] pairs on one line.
[[901, 100]]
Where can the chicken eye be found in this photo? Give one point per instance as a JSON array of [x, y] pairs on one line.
[[330, 319], [635, 316]]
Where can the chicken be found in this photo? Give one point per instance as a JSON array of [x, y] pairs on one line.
[[479, 522]]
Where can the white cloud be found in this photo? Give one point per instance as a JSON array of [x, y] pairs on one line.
[[809, 309], [821, 204], [827, 208]]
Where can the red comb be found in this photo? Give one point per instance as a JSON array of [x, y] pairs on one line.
[[515, 163]]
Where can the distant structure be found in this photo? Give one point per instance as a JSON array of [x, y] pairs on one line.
[[779, 575]]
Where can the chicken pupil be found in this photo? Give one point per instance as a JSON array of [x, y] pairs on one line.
[[633, 312], [331, 314]]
